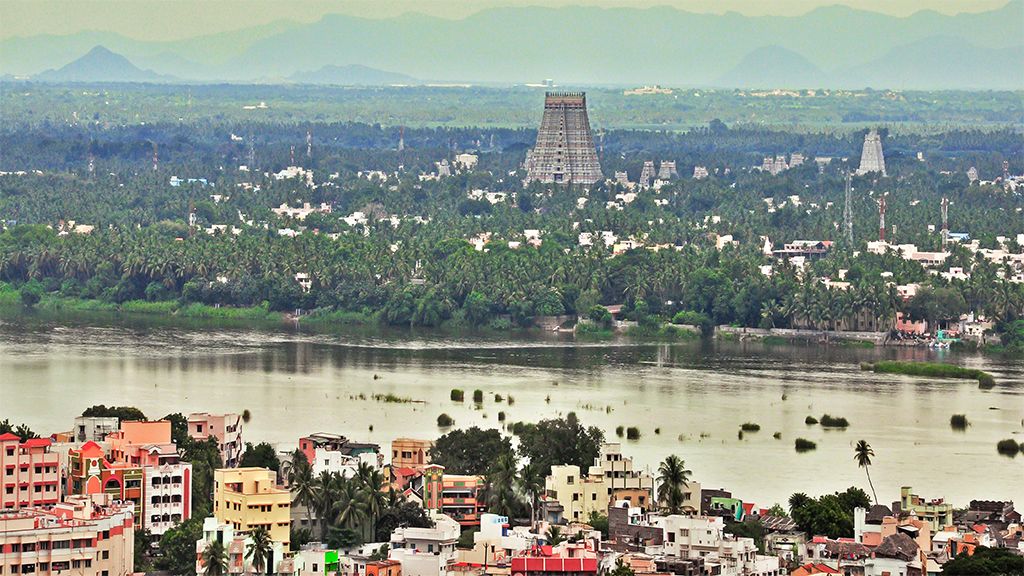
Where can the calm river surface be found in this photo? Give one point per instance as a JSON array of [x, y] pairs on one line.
[[295, 382]]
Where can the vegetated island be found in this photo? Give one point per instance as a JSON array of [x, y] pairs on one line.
[[935, 369]]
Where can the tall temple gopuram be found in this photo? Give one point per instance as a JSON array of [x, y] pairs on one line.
[[564, 151], [871, 158]]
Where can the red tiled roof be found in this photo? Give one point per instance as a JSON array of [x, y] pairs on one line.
[[37, 443], [813, 568], [8, 437]]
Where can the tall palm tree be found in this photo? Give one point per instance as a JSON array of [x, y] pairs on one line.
[[349, 509], [374, 499], [531, 482], [304, 487], [215, 557], [863, 453], [325, 494], [501, 482], [259, 549], [672, 478]]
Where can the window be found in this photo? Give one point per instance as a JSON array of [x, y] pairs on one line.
[[671, 536], [593, 497], [568, 480]]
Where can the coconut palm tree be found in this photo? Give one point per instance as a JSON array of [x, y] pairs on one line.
[[349, 509], [863, 453], [501, 482], [554, 536], [374, 500], [531, 482], [259, 549], [215, 557], [303, 487], [672, 478]]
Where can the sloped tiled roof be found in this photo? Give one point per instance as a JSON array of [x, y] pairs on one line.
[[898, 546]]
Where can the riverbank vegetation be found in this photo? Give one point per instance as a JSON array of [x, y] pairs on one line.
[[931, 369], [164, 241]]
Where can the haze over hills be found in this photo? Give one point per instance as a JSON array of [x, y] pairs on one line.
[[351, 75], [101, 65], [834, 46]]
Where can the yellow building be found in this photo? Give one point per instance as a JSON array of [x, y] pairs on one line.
[[247, 498]]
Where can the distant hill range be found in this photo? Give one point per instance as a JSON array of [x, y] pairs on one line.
[[101, 65], [834, 46], [351, 75]]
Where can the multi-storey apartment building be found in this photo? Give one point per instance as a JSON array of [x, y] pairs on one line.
[[455, 495], [236, 545], [29, 472], [247, 498], [143, 466], [84, 536], [226, 428], [91, 473], [94, 428]]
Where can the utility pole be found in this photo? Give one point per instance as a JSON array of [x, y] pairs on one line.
[[848, 212], [945, 221], [881, 218]]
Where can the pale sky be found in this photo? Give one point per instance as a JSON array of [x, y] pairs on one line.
[[178, 19]]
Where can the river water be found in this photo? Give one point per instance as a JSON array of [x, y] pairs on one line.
[[295, 382]]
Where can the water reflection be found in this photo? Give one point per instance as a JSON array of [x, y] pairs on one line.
[[696, 394]]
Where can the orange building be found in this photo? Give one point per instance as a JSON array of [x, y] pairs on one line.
[[89, 472], [143, 466], [455, 495], [383, 568], [410, 453]]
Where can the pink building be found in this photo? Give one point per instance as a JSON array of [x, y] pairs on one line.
[[226, 428], [85, 536], [903, 324], [29, 472], [167, 481]]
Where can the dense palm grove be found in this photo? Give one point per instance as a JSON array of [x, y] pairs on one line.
[[418, 269]]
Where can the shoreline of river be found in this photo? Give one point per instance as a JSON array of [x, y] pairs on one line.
[[197, 315]]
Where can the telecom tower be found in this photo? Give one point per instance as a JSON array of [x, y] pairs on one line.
[[945, 221], [401, 138], [156, 159], [881, 218], [252, 153], [292, 156], [848, 212], [309, 144]]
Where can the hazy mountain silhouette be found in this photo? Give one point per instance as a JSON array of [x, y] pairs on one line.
[[351, 75], [101, 65], [774, 66], [842, 46], [937, 62]]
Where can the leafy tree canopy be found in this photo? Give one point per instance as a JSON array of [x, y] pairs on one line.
[[469, 451]]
